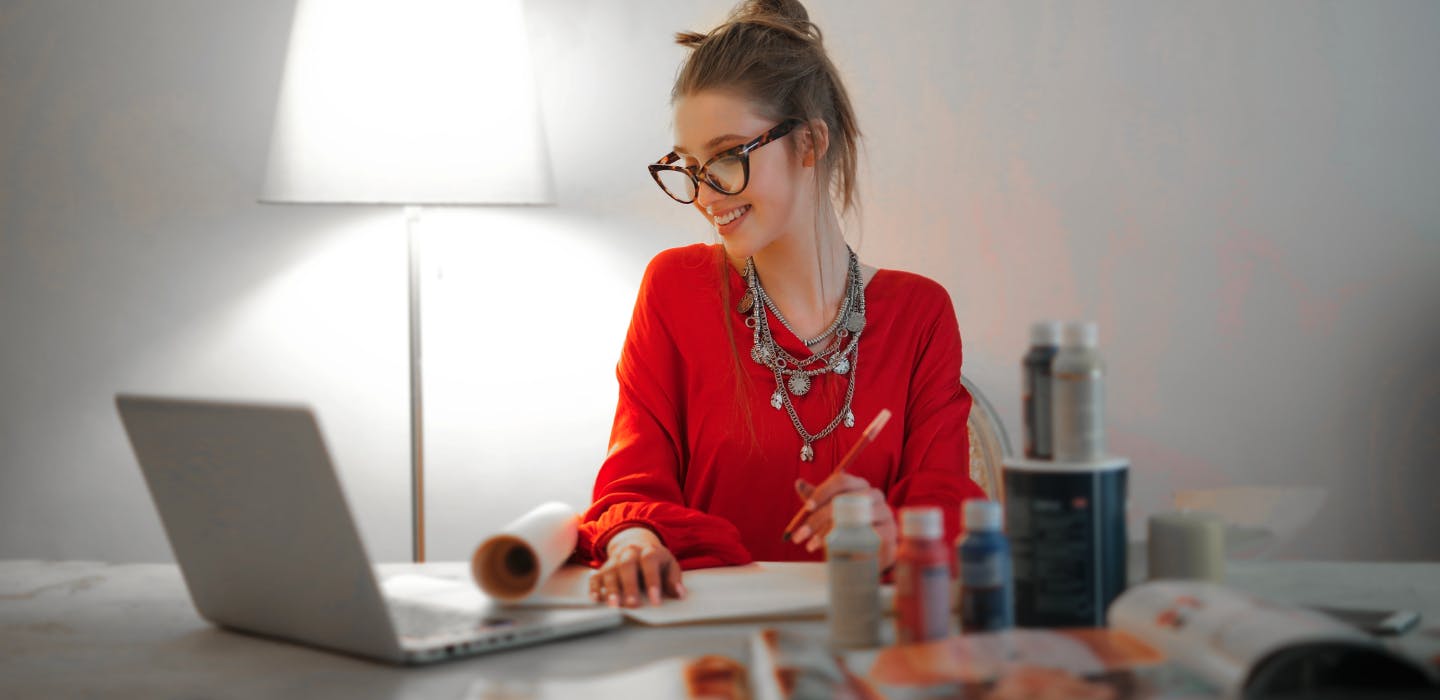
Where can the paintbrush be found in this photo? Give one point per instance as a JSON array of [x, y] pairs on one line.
[[866, 438]]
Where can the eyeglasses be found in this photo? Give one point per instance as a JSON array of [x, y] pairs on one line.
[[728, 172]]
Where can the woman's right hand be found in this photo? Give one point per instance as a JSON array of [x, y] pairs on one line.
[[637, 566]]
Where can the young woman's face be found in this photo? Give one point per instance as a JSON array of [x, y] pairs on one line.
[[707, 123]]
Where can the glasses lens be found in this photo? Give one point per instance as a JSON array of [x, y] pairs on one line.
[[727, 174], [677, 184]]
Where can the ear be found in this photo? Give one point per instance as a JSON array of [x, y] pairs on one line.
[[815, 140]]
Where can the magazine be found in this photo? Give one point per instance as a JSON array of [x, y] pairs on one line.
[[1167, 639], [1248, 646]]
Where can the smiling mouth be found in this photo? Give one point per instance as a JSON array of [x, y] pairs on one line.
[[731, 215]]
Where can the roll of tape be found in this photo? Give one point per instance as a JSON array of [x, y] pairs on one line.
[[1186, 545]]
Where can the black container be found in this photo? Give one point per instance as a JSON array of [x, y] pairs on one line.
[[1066, 523], [1036, 400]]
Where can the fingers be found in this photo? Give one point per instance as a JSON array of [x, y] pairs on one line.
[[818, 526], [616, 582], [605, 585], [883, 521], [651, 563], [635, 574], [804, 489], [672, 579], [838, 483], [880, 514], [629, 566], [812, 531]]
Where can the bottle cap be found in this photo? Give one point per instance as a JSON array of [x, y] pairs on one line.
[[1045, 333], [852, 509], [1082, 334], [921, 522], [982, 515]]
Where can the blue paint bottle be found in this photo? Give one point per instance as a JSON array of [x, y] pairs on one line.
[[987, 593]]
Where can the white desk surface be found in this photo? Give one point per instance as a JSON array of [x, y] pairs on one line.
[[83, 629]]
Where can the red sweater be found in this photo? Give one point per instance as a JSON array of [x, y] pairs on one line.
[[683, 462]]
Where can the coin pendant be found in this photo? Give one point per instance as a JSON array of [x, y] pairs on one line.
[[799, 383], [747, 303], [807, 453], [855, 322], [842, 366]]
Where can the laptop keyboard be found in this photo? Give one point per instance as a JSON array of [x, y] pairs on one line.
[[420, 621]]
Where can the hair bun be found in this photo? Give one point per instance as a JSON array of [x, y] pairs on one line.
[[790, 10], [787, 16]]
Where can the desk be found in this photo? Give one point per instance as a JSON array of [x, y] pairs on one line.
[[82, 629]]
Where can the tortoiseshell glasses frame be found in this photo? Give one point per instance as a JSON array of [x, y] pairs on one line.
[[730, 163]]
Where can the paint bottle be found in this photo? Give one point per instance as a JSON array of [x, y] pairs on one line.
[[1078, 413], [922, 577], [1035, 375], [852, 557], [987, 594]]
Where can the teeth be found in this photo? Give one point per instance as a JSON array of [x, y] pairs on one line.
[[731, 216]]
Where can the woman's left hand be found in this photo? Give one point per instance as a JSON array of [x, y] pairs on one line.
[[818, 501]]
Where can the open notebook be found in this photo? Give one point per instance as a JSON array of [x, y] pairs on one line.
[[754, 591]]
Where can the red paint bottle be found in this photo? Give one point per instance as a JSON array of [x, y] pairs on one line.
[[922, 577]]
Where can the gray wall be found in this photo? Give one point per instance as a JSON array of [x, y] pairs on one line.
[[1242, 194]]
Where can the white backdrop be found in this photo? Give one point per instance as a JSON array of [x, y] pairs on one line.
[[1241, 194]]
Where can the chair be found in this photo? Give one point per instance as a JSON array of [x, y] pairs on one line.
[[989, 443]]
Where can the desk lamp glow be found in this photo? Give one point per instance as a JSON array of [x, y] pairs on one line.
[[414, 102]]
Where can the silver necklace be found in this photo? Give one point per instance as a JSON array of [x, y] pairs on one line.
[[794, 376]]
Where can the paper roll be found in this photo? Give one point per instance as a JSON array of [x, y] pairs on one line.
[[514, 563], [1186, 545]]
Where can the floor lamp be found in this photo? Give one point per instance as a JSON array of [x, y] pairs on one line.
[[413, 103]]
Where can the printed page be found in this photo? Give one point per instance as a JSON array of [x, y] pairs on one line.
[[987, 656], [1220, 632], [1072, 664], [710, 677]]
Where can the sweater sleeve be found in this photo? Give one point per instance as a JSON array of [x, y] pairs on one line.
[[935, 459], [639, 483]]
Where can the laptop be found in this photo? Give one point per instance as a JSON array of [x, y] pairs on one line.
[[267, 545]]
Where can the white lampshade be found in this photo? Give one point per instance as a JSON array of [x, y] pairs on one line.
[[408, 102]]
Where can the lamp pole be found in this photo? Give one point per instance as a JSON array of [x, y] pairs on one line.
[[417, 385]]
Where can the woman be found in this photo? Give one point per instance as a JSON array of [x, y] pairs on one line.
[[752, 366]]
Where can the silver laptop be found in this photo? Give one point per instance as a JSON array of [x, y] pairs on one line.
[[267, 545]]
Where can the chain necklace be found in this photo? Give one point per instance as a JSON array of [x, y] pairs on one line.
[[794, 376]]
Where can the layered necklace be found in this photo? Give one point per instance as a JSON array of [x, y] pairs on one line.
[[839, 350]]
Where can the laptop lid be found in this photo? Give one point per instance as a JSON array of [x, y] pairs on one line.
[[257, 520]]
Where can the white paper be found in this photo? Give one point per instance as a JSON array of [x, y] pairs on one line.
[[546, 535], [759, 590]]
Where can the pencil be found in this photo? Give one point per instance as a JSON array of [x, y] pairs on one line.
[[866, 438]]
